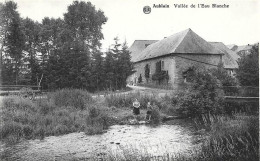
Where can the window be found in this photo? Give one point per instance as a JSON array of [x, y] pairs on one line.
[[158, 67], [162, 63], [188, 74], [147, 71]]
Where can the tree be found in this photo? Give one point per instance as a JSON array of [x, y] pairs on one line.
[[85, 23], [117, 65], [229, 83], [75, 42], [12, 38], [248, 68], [97, 73], [125, 65], [32, 40], [109, 66]]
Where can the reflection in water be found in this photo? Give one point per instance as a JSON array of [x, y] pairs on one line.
[[145, 139]]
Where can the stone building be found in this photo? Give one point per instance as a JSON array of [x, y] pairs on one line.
[[241, 50], [166, 62]]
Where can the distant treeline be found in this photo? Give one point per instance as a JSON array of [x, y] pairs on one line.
[[61, 53]]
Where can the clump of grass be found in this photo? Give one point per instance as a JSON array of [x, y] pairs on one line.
[[71, 97], [97, 120], [155, 116]]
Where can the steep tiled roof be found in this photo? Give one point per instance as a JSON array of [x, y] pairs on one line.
[[229, 58], [138, 46], [182, 42]]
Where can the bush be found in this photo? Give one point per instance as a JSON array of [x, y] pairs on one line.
[[11, 129], [46, 108], [27, 131], [202, 95], [40, 132], [71, 97], [155, 116], [61, 129], [96, 120], [15, 103]]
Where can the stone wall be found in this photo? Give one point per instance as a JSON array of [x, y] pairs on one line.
[[175, 65], [169, 64], [185, 61]]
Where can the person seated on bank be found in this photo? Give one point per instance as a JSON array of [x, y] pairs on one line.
[[149, 111], [136, 109]]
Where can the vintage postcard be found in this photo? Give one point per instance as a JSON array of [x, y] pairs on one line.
[[129, 80]]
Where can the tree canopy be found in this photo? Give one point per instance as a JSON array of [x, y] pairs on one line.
[[63, 52], [248, 71]]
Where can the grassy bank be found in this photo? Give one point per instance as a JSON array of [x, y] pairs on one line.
[[64, 111]]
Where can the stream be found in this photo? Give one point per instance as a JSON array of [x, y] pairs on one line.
[[118, 139]]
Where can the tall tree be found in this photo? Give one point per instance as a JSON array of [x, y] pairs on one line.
[[248, 70], [117, 65], [85, 22], [32, 41], [2, 38], [98, 73], [13, 37], [77, 41], [109, 65], [125, 65]]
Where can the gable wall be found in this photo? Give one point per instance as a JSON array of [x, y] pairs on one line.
[[185, 61], [175, 65], [169, 64]]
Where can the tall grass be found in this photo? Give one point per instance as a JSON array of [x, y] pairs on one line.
[[230, 138], [71, 97], [126, 100], [63, 112]]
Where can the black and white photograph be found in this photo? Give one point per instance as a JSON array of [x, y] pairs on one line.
[[129, 80]]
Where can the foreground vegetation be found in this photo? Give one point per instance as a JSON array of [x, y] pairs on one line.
[[226, 137], [63, 112]]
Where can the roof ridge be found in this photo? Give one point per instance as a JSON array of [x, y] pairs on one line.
[[187, 31]]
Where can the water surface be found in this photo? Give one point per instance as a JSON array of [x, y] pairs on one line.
[[117, 140]]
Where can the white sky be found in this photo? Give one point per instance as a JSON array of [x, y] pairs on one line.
[[236, 25]]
